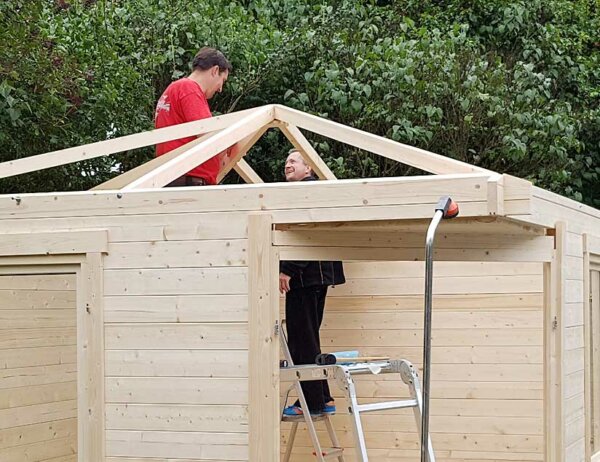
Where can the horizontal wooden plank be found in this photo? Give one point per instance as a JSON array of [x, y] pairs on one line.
[[491, 224], [37, 299], [177, 363], [177, 254], [176, 308], [442, 424], [55, 243], [574, 338], [172, 417], [176, 281], [440, 337], [442, 441], [177, 445], [70, 458], [38, 413], [202, 336], [448, 302], [29, 434], [318, 238], [39, 375], [337, 195], [42, 337], [443, 320], [390, 269], [412, 455], [140, 228], [573, 384], [154, 459], [548, 208], [45, 282], [378, 387], [41, 356], [573, 314], [574, 407], [457, 354], [484, 372], [55, 450], [414, 254], [447, 285], [37, 394], [33, 319], [183, 390]]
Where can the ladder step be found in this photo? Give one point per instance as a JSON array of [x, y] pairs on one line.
[[387, 405], [328, 453], [300, 417]]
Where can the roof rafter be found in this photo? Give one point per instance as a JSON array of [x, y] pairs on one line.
[[123, 143], [205, 150], [129, 176], [409, 155]]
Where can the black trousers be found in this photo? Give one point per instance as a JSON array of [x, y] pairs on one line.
[[304, 313]]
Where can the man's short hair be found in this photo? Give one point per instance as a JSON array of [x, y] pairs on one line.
[[293, 150], [208, 57]]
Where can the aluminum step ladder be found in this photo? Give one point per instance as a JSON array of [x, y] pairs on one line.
[[342, 374], [320, 453]]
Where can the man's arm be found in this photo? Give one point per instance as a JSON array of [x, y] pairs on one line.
[[288, 270]]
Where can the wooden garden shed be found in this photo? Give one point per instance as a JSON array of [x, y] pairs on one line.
[[140, 324]]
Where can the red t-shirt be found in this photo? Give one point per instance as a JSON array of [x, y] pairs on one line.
[[184, 101]]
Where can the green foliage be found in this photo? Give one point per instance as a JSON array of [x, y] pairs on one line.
[[510, 86]]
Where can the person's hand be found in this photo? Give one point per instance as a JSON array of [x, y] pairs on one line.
[[284, 283]]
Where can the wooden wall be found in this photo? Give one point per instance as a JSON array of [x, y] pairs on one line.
[[176, 333], [38, 368], [176, 338], [487, 376]]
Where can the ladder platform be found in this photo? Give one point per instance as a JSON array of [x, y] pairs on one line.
[[315, 372], [301, 418]]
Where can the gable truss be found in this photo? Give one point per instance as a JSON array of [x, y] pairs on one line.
[[244, 129]]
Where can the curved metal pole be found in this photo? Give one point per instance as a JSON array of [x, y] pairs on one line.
[[427, 331]]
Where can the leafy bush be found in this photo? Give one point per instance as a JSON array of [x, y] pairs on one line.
[[513, 87]]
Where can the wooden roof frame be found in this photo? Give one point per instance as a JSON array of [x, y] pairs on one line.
[[507, 196], [243, 128], [279, 215]]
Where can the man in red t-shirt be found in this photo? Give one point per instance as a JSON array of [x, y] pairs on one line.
[[186, 100]]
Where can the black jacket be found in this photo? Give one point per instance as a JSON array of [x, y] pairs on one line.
[[313, 273]]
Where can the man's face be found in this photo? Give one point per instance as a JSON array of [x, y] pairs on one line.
[[295, 167], [216, 82]]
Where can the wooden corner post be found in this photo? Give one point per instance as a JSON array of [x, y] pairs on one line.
[[263, 355], [90, 359], [553, 348]]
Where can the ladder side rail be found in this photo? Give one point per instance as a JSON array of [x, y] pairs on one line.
[[346, 383], [410, 378]]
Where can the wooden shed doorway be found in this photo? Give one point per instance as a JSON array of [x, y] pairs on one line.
[[51, 346], [468, 243]]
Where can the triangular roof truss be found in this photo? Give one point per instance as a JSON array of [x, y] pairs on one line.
[[244, 128]]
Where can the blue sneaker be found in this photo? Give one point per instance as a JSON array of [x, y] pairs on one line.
[[329, 408], [295, 411]]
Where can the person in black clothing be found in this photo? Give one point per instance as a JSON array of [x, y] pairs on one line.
[[305, 285]]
